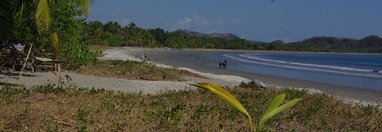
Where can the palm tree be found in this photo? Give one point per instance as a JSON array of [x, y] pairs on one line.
[[43, 18]]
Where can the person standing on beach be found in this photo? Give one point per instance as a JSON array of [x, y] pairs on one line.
[[144, 58], [225, 64], [220, 64]]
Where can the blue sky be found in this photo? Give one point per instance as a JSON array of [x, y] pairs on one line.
[[261, 20]]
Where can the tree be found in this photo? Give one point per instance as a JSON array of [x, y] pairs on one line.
[[112, 27], [43, 15], [159, 35], [139, 37], [72, 50], [20, 24], [93, 31]]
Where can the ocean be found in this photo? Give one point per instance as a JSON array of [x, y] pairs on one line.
[[362, 71]]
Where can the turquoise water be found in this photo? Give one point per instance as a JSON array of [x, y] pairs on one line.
[[354, 70]]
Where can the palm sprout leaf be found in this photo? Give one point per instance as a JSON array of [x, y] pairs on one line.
[[19, 15], [275, 103], [84, 5], [43, 15], [220, 89], [226, 96], [277, 110], [55, 41]]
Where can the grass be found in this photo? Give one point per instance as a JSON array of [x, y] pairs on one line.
[[95, 48], [51, 108], [133, 70]]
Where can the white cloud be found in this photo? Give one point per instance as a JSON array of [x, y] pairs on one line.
[[199, 23], [238, 21], [185, 24]]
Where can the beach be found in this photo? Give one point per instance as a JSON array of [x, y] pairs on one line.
[[173, 104], [30, 80], [169, 57], [166, 57]]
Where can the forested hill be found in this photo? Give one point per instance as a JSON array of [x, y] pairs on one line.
[[113, 34], [370, 43], [227, 36]]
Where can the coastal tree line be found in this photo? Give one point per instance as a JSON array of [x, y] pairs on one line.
[[62, 21], [113, 34]]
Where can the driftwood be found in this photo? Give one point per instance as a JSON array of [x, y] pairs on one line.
[[26, 60]]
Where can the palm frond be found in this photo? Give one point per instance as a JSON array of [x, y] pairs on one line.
[[55, 41], [19, 15], [275, 108], [84, 5], [43, 15], [226, 96]]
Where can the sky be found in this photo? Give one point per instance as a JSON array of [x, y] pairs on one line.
[[259, 20]]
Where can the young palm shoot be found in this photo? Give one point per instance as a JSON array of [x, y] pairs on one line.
[[226, 96], [273, 108]]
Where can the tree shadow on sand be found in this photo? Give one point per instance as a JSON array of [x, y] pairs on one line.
[[15, 74], [9, 84]]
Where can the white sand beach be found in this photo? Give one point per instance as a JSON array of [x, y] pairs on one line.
[[165, 57], [157, 56]]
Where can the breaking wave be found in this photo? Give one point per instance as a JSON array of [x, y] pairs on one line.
[[305, 66]]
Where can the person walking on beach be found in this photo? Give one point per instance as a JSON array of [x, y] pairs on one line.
[[144, 58]]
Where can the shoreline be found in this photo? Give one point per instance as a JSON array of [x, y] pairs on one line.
[[275, 51], [167, 57]]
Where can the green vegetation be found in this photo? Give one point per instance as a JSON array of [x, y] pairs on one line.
[[53, 26], [113, 34], [51, 108], [133, 70], [273, 108]]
